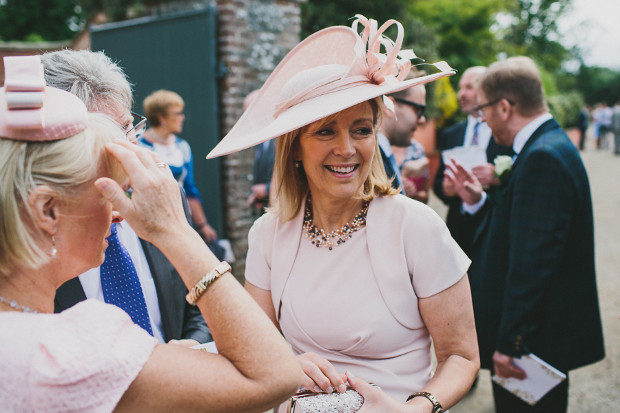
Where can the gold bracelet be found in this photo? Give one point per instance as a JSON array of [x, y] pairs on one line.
[[436, 405], [201, 286]]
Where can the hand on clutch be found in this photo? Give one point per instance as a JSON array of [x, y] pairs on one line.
[[320, 374]]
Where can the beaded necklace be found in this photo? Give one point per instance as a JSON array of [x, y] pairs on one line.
[[14, 304], [320, 238]]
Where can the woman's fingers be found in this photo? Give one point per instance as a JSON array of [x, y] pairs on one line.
[[375, 400], [155, 203], [320, 374], [113, 193]]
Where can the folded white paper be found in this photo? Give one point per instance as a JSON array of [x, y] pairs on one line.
[[469, 157], [208, 347], [541, 378]]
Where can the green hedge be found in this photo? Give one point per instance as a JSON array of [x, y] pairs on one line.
[[565, 108]]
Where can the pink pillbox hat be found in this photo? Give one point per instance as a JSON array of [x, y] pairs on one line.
[[30, 111], [331, 70]]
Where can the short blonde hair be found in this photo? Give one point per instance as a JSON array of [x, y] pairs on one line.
[[66, 166], [292, 185], [158, 103]]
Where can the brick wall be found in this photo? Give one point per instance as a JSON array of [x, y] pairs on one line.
[[253, 36]]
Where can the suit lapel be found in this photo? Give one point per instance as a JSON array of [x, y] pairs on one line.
[[69, 294], [549, 125], [163, 276], [486, 213]]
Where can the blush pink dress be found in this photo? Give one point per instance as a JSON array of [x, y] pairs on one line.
[[343, 304], [81, 360]]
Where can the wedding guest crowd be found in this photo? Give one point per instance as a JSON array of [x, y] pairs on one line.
[[473, 133], [350, 279], [61, 171], [533, 278]]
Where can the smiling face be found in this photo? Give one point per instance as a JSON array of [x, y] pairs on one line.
[[337, 154]]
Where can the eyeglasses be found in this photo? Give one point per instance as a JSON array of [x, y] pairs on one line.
[[478, 109], [138, 126], [418, 108]]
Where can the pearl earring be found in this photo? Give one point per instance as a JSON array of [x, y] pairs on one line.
[[297, 164], [54, 250]]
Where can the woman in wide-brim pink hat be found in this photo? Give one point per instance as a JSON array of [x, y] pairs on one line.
[[359, 278]]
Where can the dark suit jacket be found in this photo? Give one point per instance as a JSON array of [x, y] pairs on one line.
[[179, 319], [532, 275], [263, 165], [460, 226]]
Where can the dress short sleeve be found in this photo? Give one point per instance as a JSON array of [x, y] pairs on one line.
[[435, 260], [81, 360], [258, 259]]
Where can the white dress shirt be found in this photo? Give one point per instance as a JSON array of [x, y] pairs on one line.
[[484, 132], [91, 279]]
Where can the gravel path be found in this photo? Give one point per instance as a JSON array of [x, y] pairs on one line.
[[594, 388]]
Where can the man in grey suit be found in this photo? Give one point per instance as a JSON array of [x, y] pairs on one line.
[[103, 87]]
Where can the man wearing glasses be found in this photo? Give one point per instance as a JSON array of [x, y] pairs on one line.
[[534, 289], [397, 131], [157, 287], [473, 132]]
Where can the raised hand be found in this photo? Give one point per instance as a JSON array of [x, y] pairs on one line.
[[465, 183]]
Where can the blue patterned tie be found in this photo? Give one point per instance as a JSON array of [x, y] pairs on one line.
[[120, 283]]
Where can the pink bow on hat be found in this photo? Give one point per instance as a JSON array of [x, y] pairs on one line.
[[24, 86], [370, 66], [31, 111]]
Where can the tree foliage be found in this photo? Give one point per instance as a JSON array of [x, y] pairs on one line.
[[319, 14], [599, 84], [533, 31], [38, 20], [462, 27]]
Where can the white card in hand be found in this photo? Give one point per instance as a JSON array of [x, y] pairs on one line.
[[541, 378]]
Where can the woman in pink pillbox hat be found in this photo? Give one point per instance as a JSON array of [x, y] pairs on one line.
[[358, 278], [60, 170]]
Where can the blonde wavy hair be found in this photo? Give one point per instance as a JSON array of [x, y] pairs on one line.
[[67, 166], [292, 185]]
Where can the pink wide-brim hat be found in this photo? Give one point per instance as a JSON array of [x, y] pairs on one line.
[[31, 111], [331, 70]]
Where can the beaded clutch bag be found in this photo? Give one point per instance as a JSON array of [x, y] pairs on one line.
[[306, 401]]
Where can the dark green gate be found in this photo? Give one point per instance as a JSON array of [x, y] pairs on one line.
[[176, 52]]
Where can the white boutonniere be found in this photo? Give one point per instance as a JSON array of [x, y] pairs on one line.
[[503, 164]]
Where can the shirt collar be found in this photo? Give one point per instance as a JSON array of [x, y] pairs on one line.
[[526, 132], [384, 143]]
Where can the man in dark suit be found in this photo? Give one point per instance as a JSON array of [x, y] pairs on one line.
[[103, 87], [471, 132], [533, 255]]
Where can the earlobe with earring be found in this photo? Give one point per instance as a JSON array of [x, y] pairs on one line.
[[54, 250], [297, 164]]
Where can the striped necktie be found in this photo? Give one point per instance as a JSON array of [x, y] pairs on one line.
[[474, 139]]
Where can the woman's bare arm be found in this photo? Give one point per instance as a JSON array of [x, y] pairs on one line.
[[255, 368]]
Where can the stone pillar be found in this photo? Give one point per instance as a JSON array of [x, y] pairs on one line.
[[253, 36]]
